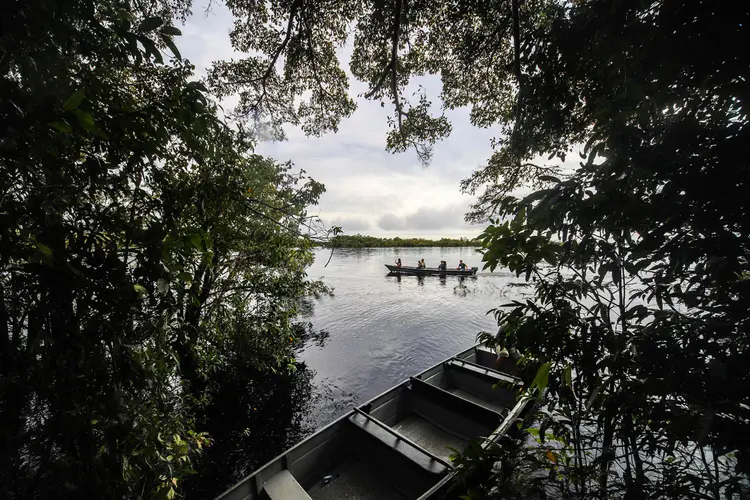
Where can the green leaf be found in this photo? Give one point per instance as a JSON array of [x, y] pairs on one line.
[[168, 41], [151, 48], [74, 100], [99, 133], [62, 126], [186, 277], [85, 119], [197, 86], [568, 376], [140, 289], [150, 24], [44, 249], [171, 30], [197, 241], [542, 377]]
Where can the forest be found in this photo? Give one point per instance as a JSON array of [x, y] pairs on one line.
[[360, 241], [152, 265]]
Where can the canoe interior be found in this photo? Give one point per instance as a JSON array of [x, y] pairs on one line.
[[397, 446], [479, 385], [486, 357], [433, 419], [363, 466]]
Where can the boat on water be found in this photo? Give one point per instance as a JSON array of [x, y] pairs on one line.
[[397, 445], [429, 271]]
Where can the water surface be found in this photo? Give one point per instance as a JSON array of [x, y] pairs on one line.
[[384, 329]]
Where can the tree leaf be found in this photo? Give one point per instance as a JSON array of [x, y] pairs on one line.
[[170, 43], [171, 30], [195, 85], [85, 119], [549, 178], [74, 100], [186, 277], [151, 48], [197, 241], [542, 377], [568, 376], [150, 24], [61, 126], [44, 249]]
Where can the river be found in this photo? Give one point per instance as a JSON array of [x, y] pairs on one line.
[[373, 333], [382, 329]]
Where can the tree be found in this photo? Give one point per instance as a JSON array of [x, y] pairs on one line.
[[639, 255], [145, 250]]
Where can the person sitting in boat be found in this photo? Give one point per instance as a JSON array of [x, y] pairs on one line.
[[398, 263], [442, 266], [461, 265], [422, 264], [419, 264]]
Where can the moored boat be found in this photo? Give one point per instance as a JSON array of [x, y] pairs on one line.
[[397, 445], [430, 271]]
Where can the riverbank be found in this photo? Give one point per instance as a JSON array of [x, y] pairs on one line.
[[363, 241]]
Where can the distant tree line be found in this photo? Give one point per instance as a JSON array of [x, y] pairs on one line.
[[362, 241]]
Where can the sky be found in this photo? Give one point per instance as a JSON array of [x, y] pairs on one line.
[[368, 190]]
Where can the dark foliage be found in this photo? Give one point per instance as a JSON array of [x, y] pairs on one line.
[[144, 253]]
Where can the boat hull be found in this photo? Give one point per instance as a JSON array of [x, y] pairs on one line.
[[430, 271], [396, 445]]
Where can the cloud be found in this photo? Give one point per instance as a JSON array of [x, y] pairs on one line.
[[426, 219], [390, 222], [349, 225], [367, 188]]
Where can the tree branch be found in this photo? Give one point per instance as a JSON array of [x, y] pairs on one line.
[[284, 43], [517, 62], [392, 65], [274, 59], [394, 59]]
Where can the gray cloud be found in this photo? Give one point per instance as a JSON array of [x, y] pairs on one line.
[[426, 219], [337, 200], [390, 222], [349, 225]]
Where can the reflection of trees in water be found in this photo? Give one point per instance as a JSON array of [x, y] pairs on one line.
[[308, 335], [252, 418]]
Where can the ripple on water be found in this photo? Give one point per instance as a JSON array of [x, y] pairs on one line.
[[385, 329]]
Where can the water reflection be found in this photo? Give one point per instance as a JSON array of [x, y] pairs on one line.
[[252, 418], [420, 279], [380, 335]]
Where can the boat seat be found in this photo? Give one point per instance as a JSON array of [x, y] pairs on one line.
[[396, 442], [283, 486]]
